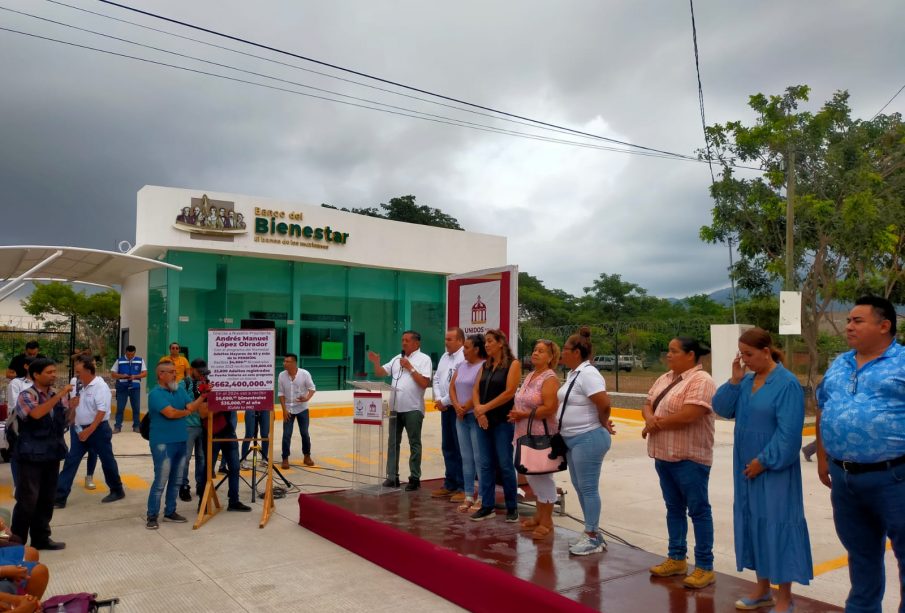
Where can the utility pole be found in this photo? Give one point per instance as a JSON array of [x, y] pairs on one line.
[[790, 235]]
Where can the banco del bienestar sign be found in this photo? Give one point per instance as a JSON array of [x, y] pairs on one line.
[[270, 228]]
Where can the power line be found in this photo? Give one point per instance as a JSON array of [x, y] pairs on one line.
[[258, 74], [382, 80], [317, 72], [446, 121], [888, 102], [697, 68]]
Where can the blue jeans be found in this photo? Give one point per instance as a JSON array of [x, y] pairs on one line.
[[169, 459], [101, 442], [195, 443], [255, 420], [684, 485], [585, 459], [867, 508], [133, 396], [452, 456], [303, 419], [496, 451], [467, 430]]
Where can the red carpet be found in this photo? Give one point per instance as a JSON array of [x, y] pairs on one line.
[[491, 566]]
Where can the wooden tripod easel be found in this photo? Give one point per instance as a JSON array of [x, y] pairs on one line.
[[210, 502]]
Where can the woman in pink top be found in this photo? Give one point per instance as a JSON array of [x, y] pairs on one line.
[[538, 394], [460, 394]]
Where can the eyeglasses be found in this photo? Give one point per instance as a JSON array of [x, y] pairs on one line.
[[853, 384]]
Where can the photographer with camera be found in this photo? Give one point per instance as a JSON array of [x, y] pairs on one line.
[[224, 427], [195, 384]]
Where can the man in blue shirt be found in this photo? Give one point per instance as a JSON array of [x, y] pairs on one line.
[[861, 449], [168, 405], [128, 371]]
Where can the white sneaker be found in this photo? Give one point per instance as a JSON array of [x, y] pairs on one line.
[[244, 466], [588, 545], [89, 483]]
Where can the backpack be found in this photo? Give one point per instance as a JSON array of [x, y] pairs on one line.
[[144, 428]]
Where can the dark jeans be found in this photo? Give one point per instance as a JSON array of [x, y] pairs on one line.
[[133, 396], [303, 418], [255, 420], [231, 458], [410, 421], [867, 508], [195, 444], [452, 456], [495, 449], [685, 487], [34, 500], [101, 442]]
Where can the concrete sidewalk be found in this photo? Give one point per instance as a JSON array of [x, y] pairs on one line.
[[231, 565]]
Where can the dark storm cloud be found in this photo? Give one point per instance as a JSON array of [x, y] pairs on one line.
[[83, 132]]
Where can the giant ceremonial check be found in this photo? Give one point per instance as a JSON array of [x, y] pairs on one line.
[[241, 365]]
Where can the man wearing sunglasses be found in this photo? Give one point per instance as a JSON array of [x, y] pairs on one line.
[[861, 448]]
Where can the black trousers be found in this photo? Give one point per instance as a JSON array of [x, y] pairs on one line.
[[35, 493]]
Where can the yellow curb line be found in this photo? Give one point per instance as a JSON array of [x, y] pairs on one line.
[[837, 563]]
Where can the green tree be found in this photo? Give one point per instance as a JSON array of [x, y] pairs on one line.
[[610, 298], [97, 315], [541, 306], [404, 208], [848, 228]]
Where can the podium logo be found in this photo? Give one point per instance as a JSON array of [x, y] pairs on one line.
[[478, 312]]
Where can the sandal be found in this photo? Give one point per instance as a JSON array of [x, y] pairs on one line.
[[530, 524], [476, 506], [465, 507], [541, 532]]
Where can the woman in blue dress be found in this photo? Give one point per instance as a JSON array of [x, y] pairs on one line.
[[771, 534]]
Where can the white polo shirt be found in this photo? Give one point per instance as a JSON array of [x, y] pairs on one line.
[[16, 387], [408, 395], [290, 388], [94, 397], [445, 369]]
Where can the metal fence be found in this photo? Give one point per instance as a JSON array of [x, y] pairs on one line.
[[630, 354]]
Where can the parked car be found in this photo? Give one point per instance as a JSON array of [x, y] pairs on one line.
[[628, 362], [604, 362]]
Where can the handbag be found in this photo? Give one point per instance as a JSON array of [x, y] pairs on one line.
[[534, 453], [558, 443]]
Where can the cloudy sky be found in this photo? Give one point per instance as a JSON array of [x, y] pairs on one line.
[[81, 132]]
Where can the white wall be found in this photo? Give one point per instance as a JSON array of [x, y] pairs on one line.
[[133, 312], [372, 242], [724, 347]]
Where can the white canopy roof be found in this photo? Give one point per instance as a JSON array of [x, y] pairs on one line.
[[19, 263]]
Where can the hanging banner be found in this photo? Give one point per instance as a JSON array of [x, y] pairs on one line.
[[483, 300], [790, 312], [241, 369]]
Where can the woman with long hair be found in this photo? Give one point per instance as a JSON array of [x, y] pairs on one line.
[[678, 418], [537, 395], [771, 534], [493, 395], [460, 394], [584, 413]]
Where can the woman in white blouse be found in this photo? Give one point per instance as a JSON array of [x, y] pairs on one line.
[[584, 417]]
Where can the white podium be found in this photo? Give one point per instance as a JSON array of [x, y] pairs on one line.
[[371, 423]]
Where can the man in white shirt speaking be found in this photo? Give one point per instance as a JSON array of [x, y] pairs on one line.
[[452, 457], [90, 430], [410, 374], [296, 387]]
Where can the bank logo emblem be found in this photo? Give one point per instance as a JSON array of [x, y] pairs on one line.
[[208, 218], [478, 312]]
